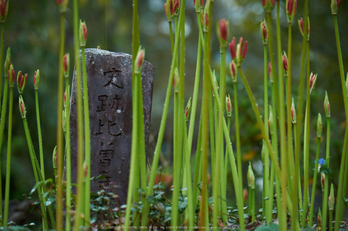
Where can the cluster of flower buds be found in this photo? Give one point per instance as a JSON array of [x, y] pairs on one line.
[[139, 60], [331, 202], [171, 8], [291, 7], [188, 110], [312, 81], [264, 31], [238, 52], [66, 61], [62, 4], [228, 106], [251, 177], [198, 5], [11, 76], [21, 81], [293, 112], [22, 107], [327, 105], [285, 63], [3, 10], [176, 80], [223, 32], [268, 5], [36, 79], [335, 4], [7, 62], [83, 34], [301, 26]]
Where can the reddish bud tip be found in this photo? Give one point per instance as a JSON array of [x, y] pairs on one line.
[[223, 30], [264, 30], [289, 7], [270, 69], [232, 46], [206, 20], [175, 6], [86, 170], [3, 8], [59, 2], [263, 2], [140, 58], [233, 69], [245, 194], [285, 62], [85, 31], [65, 62], [245, 50]]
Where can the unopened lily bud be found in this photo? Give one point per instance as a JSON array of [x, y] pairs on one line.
[[331, 202], [319, 217], [175, 7], [291, 6], [228, 106], [139, 60], [198, 5], [251, 177], [233, 71], [312, 81], [83, 34], [263, 151], [62, 4], [176, 80], [322, 181], [270, 69], [205, 21], [245, 194], [232, 47], [188, 110], [7, 62], [285, 63], [263, 29], [335, 4], [21, 81], [54, 157], [270, 119], [241, 51], [327, 105], [223, 31], [3, 10], [268, 5], [11, 76], [22, 107], [301, 26], [66, 66], [168, 6], [36, 79], [293, 111], [319, 126]]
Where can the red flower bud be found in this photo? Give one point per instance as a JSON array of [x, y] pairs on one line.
[[59, 2], [264, 32], [21, 107], [245, 49], [3, 8], [245, 194], [232, 46], [11, 76], [65, 62], [175, 6], [263, 2], [223, 29], [140, 58], [270, 69], [83, 34], [233, 69], [285, 62]]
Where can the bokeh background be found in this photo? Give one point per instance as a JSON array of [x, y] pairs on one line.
[[32, 32]]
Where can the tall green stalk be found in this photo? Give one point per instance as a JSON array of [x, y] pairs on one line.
[[1, 74], [87, 139], [8, 161], [2, 127], [59, 216], [68, 158], [145, 211], [79, 119]]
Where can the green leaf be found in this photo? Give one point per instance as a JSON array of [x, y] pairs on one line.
[[16, 228], [141, 191], [271, 227], [38, 184], [100, 177]]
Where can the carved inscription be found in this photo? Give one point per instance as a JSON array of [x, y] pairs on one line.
[[109, 77]]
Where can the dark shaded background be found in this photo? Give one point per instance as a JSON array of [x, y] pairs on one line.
[[32, 31]]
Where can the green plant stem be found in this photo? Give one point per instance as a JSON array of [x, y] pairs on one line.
[[133, 180], [68, 158], [298, 176], [299, 115], [235, 177], [330, 219], [59, 216], [8, 162], [2, 127], [79, 119], [1, 74], [42, 163], [205, 118], [326, 184], [266, 183], [344, 159], [36, 172], [282, 122], [145, 211], [310, 222], [236, 117], [87, 139], [306, 148], [197, 165]]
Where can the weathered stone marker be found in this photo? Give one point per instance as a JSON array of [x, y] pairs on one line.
[[109, 77]]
